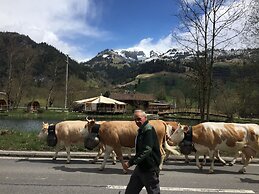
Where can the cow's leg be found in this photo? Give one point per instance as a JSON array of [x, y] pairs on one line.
[[107, 153], [57, 148], [243, 158], [239, 153], [204, 160], [198, 164], [163, 154], [113, 155], [246, 162], [248, 154], [233, 161], [219, 158], [120, 157], [212, 159], [167, 154], [129, 152], [186, 159], [68, 153], [100, 152]]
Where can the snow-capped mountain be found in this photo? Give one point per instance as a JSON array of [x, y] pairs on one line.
[[129, 57]]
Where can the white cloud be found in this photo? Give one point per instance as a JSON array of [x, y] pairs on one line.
[[169, 42], [60, 22], [148, 44], [51, 21]]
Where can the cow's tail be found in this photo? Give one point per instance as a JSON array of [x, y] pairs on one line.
[[172, 149]]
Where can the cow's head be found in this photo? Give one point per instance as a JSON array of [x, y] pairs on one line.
[[89, 125], [44, 131], [92, 139], [178, 134], [171, 127]]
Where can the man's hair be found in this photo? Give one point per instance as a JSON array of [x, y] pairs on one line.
[[141, 112]]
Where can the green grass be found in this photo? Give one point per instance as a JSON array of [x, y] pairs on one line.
[[26, 141], [16, 140]]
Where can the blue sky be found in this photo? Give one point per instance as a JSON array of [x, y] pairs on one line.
[[82, 28]]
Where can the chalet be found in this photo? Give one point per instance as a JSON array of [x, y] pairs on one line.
[[137, 100], [99, 104]]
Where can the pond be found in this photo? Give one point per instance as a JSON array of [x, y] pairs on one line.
[[36, 124], [23, 124]]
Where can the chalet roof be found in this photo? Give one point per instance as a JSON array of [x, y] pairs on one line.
[[132, 96], [99, 99]]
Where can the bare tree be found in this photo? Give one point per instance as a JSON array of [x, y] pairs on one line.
[[251, 33], [52, 82], [24, 74], [205, 26], [12, 52]]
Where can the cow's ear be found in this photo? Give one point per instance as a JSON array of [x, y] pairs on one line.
[[92, 122], [185, 128]]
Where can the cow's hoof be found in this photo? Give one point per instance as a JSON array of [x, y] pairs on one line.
[[242, 171], [211, 172], [230, 164], [54, 159], [100, 169], [68, 162], [113, 163]]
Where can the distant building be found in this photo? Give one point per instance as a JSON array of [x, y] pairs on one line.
[[99, 104], [33, 106], [3, 101], [134, 99], [156, 107]]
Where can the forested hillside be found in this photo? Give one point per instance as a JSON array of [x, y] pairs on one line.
[[31, 71]]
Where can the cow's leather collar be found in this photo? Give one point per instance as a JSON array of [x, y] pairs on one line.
[[188, 135], [186, 145], [95, 128]]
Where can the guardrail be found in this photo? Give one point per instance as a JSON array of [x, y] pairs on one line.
[[189, 111]]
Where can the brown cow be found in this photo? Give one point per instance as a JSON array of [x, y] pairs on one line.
[[68, 133], [172, 126], [118, 134], [210, 137]]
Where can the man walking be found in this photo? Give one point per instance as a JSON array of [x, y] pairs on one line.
[[146, 159]]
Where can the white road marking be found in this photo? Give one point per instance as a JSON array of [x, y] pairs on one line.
[[201, 190]]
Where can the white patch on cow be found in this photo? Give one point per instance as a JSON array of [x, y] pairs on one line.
[[178, 135], [224, 147], [203, 150]]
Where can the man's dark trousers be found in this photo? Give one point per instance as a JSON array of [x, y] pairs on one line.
[[139, 179]]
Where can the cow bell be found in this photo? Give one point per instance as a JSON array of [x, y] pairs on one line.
[[91, 141], [52, 138]]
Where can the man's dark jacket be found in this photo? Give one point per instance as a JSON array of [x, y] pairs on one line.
[[148, 156]]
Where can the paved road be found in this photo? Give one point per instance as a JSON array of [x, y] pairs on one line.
[[25, 175]]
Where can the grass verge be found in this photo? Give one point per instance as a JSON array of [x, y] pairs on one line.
[[27, 141]]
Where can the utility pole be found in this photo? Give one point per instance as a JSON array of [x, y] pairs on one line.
[[66, 82]]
